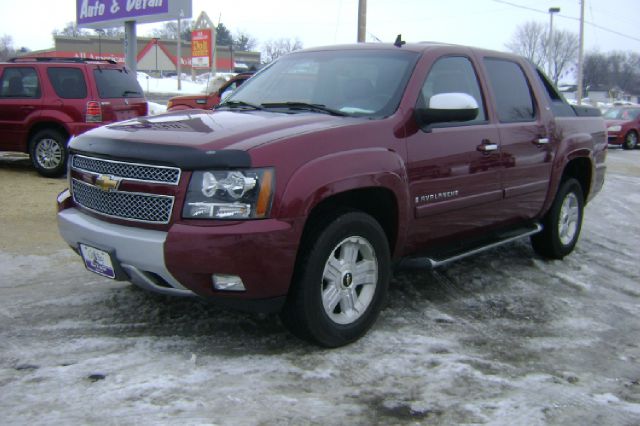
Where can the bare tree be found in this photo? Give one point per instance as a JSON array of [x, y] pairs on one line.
[[613, 71], [113, 32], [6, 48], [169, 30], [71, 30], [562, 53], [244, 41], [531, 40], [273, 49]]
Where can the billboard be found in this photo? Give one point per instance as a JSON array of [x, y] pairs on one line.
[[201, 45], [114, 13]]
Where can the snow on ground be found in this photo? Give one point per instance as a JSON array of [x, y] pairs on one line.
[[503, 338], [169, 85], [156, 108]]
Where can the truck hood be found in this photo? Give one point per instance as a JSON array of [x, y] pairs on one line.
[[177, 136], [188, 97]]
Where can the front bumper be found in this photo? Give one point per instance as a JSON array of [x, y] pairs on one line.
[[183, 260], [139, 252]]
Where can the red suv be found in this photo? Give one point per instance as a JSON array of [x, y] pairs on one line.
[[46, 101]]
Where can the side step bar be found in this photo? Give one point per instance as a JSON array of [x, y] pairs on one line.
[[432, 262]]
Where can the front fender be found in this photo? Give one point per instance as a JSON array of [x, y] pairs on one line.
[[345, 171]]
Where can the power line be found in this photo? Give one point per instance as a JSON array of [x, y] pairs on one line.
[[600, 27]]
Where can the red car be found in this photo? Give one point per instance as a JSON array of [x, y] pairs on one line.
[[207, 101], [623, 126], [46, 101]]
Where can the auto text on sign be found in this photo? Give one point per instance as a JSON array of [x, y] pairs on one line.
[[98, 8]]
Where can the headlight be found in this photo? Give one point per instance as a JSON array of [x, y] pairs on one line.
[[230, 194], [614, 128]]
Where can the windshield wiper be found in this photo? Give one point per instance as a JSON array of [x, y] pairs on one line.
[[305, 107], [238, 104], [130, 92]]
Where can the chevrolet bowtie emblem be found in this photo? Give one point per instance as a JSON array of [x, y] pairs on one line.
[[107, 183]]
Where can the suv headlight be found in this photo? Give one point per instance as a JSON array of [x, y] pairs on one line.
[[616, 128], [230, 194]]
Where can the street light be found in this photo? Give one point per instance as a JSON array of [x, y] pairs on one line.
[[552, 10], [100, 35]]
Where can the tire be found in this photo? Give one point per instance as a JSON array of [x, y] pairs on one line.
[[341, 280], [48, 151], [562, 224], [630, 140]]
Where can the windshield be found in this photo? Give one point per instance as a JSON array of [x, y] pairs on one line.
[[622, 113], [344, 82]]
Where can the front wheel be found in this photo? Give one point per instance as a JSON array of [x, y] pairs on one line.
[[630, 140], [341, 280], [562, 223], [48, 151]]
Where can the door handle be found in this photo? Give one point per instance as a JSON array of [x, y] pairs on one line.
[[541, 141], [487, 146]]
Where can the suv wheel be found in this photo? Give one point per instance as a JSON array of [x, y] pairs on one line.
[[562, 223], [48, 150], [341, 281]]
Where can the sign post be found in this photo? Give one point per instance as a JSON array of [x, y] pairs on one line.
[[99, 14], [201, 42]]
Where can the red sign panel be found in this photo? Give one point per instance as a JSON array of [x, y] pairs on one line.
[[201, 43]]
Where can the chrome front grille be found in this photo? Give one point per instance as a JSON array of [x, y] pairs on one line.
[[131, 171], [150, 208]]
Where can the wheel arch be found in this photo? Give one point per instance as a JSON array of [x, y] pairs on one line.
[[581, 169], [45, 125], [372, 181]]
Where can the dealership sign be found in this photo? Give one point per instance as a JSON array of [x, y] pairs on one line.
[[201, 42], [113, 13]]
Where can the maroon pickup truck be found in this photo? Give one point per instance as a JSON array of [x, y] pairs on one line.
[[207, 101], [302, 191]]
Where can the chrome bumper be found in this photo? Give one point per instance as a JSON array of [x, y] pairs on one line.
[[139, 252]]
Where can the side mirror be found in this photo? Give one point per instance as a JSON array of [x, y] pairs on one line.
[[447, 108]]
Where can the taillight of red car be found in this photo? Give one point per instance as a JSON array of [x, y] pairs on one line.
[[94, 112]]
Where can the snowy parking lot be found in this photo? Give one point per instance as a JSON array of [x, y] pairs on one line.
[[501, 338]]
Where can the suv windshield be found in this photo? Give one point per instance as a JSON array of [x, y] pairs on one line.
[[348, 82], [116, 83]]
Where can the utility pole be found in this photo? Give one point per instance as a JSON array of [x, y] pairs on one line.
[[552, 10], [581, 53], [362, 21]]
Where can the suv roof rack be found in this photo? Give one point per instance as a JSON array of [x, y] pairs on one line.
[[56, 59]]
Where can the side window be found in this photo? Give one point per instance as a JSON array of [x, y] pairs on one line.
[[454, 74], [68, 82], [19, 82], [511, 89], [559, 106]]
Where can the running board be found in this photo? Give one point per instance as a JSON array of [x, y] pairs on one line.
[[433, 262]]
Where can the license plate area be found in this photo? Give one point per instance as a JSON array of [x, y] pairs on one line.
[[98, 261]]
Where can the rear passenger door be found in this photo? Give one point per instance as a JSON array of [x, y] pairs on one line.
[[70, 86], [526, 145], [454, 168], [20, 101]]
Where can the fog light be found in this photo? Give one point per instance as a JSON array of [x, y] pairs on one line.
[[227, 283]]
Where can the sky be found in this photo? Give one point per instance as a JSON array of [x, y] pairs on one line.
[[611, 24]]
